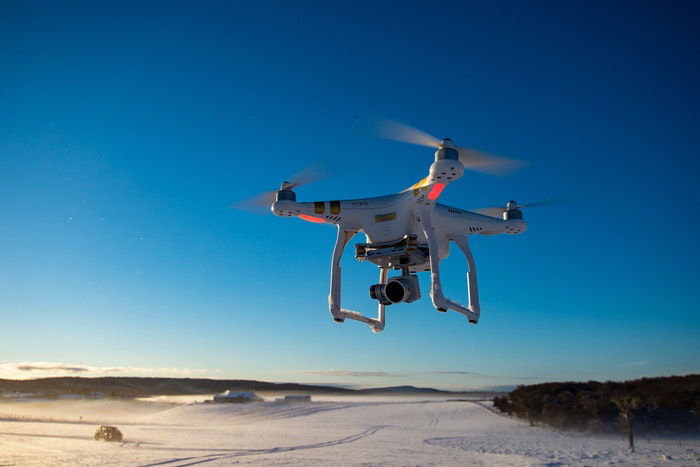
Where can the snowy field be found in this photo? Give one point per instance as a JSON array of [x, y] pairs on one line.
[[359, 432]]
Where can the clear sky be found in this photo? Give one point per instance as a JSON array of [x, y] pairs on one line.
[[127, 130]]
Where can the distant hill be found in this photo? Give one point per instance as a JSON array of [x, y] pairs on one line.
[[144, 387], [404, 389], [130, 387]]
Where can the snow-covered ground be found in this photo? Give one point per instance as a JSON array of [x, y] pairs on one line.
[[320, 433]]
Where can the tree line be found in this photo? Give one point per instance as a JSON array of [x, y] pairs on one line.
[[665, 405]]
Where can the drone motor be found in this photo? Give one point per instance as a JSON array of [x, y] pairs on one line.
[[285, 194], [512, 211]]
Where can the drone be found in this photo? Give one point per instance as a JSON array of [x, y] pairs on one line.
[[410, 231]]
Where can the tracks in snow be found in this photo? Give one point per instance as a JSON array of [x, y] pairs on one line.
[[433, 418], [231, 453]]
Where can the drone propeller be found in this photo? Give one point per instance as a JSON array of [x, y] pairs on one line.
[[473, 159], [498, 212], [262, 201]]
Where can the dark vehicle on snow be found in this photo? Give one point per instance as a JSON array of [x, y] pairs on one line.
[[108, 433]]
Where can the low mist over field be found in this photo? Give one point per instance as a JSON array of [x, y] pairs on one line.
[[358, 431]]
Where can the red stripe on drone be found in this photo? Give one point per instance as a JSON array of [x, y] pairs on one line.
[[435, 191], [311, 218]]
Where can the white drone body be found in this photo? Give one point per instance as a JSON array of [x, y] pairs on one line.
[[408, 232]]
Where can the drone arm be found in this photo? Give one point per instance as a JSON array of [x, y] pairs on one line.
[[439, 301], [472, 286], [337, 312]]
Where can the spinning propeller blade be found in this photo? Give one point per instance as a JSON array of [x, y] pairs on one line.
[[258, 202], [261, 202], [498, 211], [472, 159], [480, 161], [307, 176], [381, 127]]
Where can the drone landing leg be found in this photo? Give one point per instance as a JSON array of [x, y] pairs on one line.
[[339, 315], [380, 311], [439, 301], [472, 287]]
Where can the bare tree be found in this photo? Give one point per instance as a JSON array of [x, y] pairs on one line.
[[627, 404]]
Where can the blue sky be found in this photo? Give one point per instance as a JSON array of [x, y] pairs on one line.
[[126, 131]]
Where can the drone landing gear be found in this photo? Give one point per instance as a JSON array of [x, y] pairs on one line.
[[441, 303], [472, 287], [340, 315]]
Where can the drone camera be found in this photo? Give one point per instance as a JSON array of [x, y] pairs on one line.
[[397, 290]]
